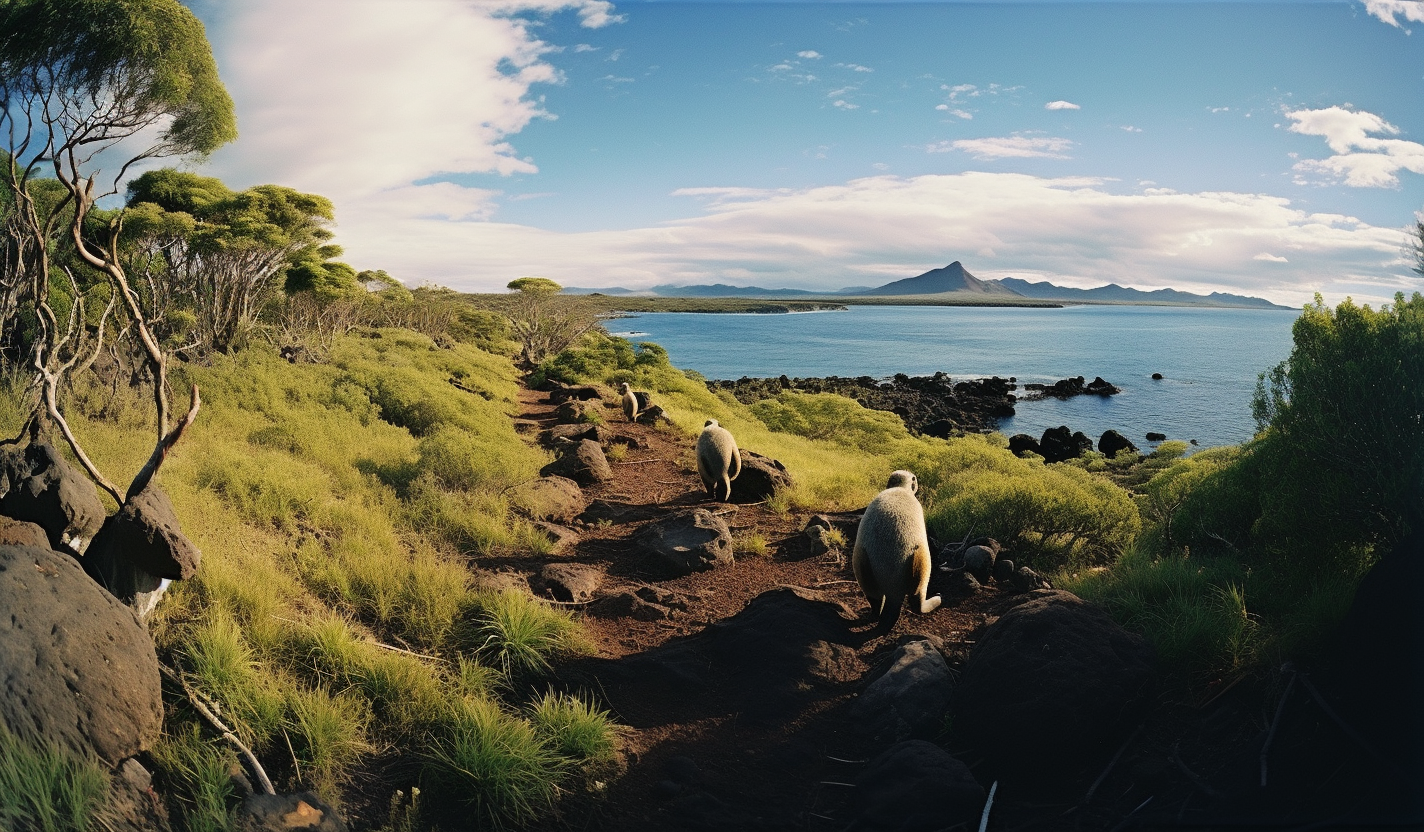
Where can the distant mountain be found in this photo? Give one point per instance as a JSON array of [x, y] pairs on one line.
[[951, 278], [1113, 293]]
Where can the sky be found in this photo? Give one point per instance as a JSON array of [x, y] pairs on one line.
[[1272, 149]]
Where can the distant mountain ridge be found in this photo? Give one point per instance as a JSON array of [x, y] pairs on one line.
[[1113, 293], [953, 280]]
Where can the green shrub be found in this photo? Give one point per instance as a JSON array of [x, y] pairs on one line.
[[829, 416], [518, 633], [576, 728], [198, 778], [496, 764], [328, 734], [45, 789]]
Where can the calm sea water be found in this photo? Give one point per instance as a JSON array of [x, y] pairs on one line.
[[1210, 358]]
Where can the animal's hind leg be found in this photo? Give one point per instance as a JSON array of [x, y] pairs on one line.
[[920, 578], [864, 577]]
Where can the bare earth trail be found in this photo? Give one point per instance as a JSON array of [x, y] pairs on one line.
[[704, 767]]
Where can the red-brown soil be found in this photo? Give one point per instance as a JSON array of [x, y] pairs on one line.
[[695, 770]]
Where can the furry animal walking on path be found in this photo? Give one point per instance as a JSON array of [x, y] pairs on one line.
[[630, 402], [718, 461], [892, 552]]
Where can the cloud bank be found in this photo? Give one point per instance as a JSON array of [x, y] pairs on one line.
[[1391, 10], [1073, 231]]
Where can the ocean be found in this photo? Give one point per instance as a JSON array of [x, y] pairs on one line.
[[1209, 358]]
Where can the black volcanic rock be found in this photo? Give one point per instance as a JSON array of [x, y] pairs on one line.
[[929, 405]]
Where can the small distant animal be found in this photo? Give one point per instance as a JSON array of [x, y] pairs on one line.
[[891, 557], [630, 401], [718, 460]]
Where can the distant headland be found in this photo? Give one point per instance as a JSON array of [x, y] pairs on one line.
[[951, 285]]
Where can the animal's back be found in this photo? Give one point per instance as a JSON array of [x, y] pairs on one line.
[[892, 527]]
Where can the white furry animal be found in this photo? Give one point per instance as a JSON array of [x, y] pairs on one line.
[[718, 461], [892, 552], [630, 401]]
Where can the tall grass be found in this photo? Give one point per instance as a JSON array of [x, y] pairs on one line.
[[519, 634], [45, 789], [197, 772]]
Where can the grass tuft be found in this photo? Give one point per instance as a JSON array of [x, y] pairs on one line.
[[576, 728], [518, 633], [44, 789]]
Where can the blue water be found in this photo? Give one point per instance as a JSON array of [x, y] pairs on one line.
[[1210, 358]]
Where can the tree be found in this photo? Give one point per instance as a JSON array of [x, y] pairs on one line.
[[230, 252], [545, 322], [84, 82], [1416, 246], [1346, 418]]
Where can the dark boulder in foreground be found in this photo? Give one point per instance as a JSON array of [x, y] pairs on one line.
[[910, 699], [915, 786], [1051, 688], [1022, 443], [76, 666], [762, 663], [138, 548], [584, 463]]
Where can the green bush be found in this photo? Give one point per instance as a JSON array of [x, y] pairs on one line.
[[829, 416], [45, 789], [518, 633], [577, 729]]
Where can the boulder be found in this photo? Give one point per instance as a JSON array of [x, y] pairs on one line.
[[654, 415], [1156, 376], [577, 411], [759, 479], [824, 535], [583, 393], [550, 498], [551, 435], [1156, 437], [646, 603], [1021, 443], [1051, 688], [145, 532], [20, 533], [763, 663], [1111, 443], [300, 812], [915, 786], [1003, 571], [49, 492], [563, 537], [689, 541], [910, 699], [76, 667], [979, 562], [1025, 579], [571, 582], [1098, 387], [1060, 444], [583, 463]]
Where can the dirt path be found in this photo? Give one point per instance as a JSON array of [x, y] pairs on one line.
[[719, 771]]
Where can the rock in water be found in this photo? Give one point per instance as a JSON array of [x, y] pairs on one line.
[[1112, 443], [77, 667]]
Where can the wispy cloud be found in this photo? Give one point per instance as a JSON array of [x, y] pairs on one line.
[[1361, 160], [809, 54], [1390, 11], [964, 114], [855, 67], [842, 104], [1270, 258], [1006, 147], [1129, 128], [1061, 105]]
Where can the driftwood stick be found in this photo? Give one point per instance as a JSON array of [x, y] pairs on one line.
[[640, 461], [988, 804], [384, 646], [1275, 722], [222, 729]]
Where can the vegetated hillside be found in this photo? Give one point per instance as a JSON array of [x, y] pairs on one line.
[[1113, 293], [951, 278]]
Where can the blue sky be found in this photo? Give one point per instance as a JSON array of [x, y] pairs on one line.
[[1268, 148]]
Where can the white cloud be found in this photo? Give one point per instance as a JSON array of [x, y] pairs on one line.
[[1129, 128], [845, 105], [955, 112], [1061, 105], [1390, 10], [1016, 147], [584, 47], [1361, 160], [1270, 258], [809, 54], [856, 67], [1071, 230]]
